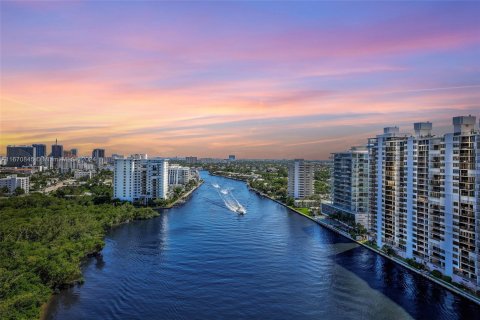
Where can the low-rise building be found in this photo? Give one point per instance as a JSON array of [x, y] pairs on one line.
[[13, 182], [79, 174]]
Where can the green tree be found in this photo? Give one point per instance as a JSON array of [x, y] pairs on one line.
[[19, 191]]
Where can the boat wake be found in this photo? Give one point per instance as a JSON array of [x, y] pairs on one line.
[[229, 200]]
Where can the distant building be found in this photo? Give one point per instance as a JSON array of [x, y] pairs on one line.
[[178, 175], [140, 179], [350, 185], [139, 156], [67, 154], [20, 156], [74, 152], [191, 160], [40, 150], [78, 174], [13, 182], [300, 179], [57, 150], [98, 153], [231, 157]]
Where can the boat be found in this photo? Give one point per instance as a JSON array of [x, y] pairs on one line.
[[240, 210]]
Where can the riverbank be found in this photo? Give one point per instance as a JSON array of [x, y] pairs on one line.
[[44, 309], [398, 261], [184, 197]]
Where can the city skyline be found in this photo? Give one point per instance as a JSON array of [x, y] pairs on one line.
[[259, 80]]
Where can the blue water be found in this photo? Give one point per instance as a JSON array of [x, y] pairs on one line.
[[204, 261]]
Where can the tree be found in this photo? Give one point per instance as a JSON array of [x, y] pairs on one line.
[[4, 190], [19, 191], [290, 201]]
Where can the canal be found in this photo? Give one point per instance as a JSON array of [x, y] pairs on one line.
[[202, 260]]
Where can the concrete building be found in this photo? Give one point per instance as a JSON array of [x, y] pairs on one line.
[[454, 220], [20, 156], [13, 182], [140, 179], [300, 179], [350, 185], [178, 175], [424, 197]]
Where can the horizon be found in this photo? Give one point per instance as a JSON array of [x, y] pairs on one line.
[[258, 80]]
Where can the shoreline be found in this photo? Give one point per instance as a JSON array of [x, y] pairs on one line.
[[182, 199], [44, 308], [427, 276]]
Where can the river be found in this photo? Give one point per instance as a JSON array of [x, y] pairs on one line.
[[202, 260]]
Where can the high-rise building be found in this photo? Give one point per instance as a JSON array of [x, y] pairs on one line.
[[140, 179], [387, 187], [20, 156], [454, 203], [424, 197], [57, 150], [300, 179], [350, 185], [74, 152], [231, 157], [40, 150], [98, 153]]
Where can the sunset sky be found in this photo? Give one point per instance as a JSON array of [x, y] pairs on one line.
[[255, 79]]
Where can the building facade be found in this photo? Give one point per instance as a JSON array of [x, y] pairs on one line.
[[140, 179], [20, 156], [424, 197], [98, 153], [57, 151], [178, 175], [13, 182], [40, 150], [350, 185], [300, 179]]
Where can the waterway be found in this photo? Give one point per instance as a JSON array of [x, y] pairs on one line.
[[204, 260]]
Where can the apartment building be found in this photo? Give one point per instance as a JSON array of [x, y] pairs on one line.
[[350, 185], [424, 193], [454, 222], [140, 179], [178, 175], [300, 179], [13, 182]]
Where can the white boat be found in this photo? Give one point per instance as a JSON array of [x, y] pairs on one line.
[[240, 210]]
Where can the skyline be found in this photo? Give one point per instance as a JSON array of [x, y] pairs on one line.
[[259, 80]]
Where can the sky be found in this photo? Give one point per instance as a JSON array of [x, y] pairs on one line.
[[254, 79]]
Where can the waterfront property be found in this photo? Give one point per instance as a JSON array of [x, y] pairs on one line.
[[350, 185], [137, 179], [423, 193], [300, 179]]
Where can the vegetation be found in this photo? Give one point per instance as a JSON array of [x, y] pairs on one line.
[[415, 264], [358, 230], [271, 177], [304, 211], [43, 240]]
